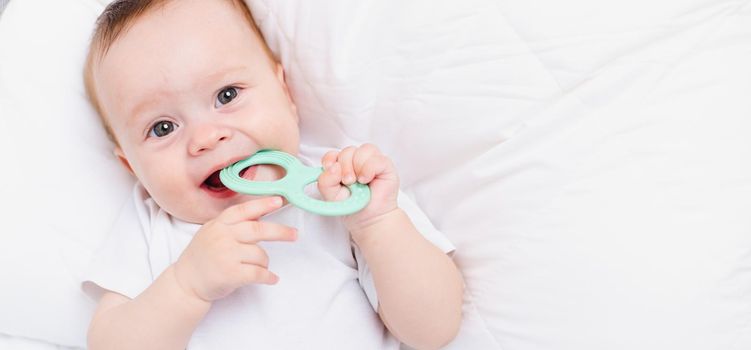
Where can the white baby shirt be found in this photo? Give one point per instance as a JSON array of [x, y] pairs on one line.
[[325, 297]]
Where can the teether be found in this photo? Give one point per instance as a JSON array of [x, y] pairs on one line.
[[292, 185]]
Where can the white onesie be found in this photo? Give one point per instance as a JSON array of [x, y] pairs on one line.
[[325, 297]]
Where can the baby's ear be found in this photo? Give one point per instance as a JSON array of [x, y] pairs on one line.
[[124, 161], [283, 80]]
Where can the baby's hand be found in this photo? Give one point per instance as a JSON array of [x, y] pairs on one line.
[[223, 254], [366, 165]]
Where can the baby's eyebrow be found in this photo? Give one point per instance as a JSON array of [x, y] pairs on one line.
[[222, 74]]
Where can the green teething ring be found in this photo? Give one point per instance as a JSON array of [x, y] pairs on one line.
[[292, 185]]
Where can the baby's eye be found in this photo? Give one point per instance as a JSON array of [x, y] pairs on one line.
[[225, 96], [162, 128]]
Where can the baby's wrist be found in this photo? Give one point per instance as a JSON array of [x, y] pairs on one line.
[[185, 290], [363, 232]]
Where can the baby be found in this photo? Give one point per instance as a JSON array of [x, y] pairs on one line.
[[186, 88]]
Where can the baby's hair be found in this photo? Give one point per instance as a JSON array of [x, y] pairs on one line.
[[117, 17]]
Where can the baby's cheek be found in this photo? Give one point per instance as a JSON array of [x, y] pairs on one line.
[[180, 200]]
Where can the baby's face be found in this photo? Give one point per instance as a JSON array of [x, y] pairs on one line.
[[188, 90]]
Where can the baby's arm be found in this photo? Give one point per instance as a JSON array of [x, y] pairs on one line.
[[221, 257], [419, 287], [162, 317]]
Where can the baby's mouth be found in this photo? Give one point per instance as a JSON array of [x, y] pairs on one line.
[[214, 184]]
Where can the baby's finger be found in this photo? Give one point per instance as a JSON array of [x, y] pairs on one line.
[[330, 181], [329, 159], [348, 171], [362, 155], [252, 232], [250, 210], [375, 165], [251, 273], [255, 255]]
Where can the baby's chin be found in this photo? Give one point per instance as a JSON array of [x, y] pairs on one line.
[[198, 208], [193, 216]]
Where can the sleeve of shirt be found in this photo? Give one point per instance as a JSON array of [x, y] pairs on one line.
[[121, 263], [423, 225]]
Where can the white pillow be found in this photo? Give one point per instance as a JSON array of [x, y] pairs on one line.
[[60, 185]]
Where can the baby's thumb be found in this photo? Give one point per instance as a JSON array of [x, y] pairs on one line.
[[330, 182]]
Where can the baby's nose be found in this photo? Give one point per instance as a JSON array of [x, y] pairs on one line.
[[207, 137]]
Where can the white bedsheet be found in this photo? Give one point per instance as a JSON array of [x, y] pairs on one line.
[[8, 342], [588, 158]]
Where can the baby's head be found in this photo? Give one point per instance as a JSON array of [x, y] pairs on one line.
[[185, 88]]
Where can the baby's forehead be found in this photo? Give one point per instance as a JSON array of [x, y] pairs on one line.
[[121, 15], [145, 65]]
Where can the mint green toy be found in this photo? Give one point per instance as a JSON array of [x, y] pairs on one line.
[[291, 186]]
